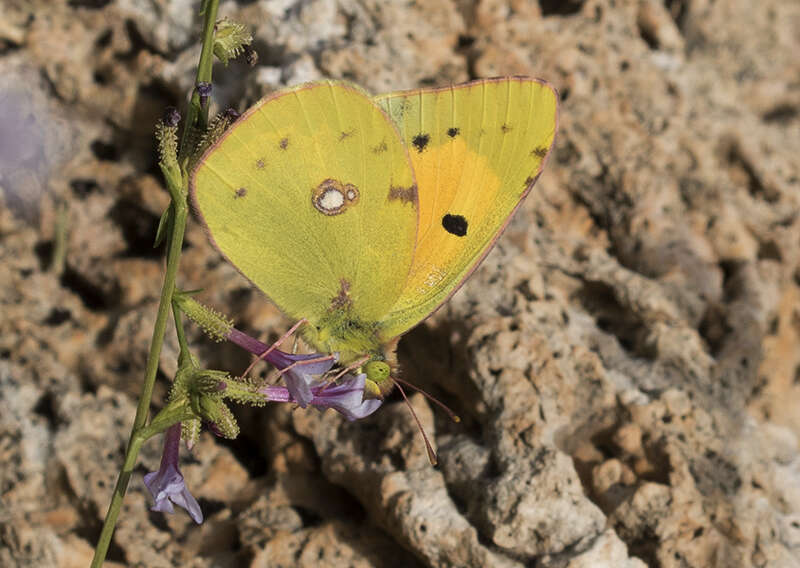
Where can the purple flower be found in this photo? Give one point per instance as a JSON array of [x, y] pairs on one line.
[[346, 397], [299, 379], [167, 484]]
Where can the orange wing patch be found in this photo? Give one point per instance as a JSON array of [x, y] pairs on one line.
[[456, 190]]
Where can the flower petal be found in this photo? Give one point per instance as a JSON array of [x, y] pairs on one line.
[[160, 496], [167, 485], [282, 360], [300, 378], [187, 501], [363, 410], [299, 386], [346, 397]]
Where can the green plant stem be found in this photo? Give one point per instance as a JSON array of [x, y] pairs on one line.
[[197, 115], [100, 551], [176, 234], [136, 440]]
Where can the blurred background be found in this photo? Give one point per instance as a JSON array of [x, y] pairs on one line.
[[626, 361]]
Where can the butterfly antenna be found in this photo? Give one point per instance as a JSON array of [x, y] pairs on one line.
[[274, 346], [431, 454], [453, 416]]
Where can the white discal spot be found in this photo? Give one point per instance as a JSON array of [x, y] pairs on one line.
[[332, 197], [331, 200]]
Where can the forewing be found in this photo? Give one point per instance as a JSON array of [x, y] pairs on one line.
[[477, 149], [310, 194]]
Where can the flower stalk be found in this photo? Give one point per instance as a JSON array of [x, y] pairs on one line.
[[176, 231]]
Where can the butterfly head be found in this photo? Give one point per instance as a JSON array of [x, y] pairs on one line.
[[358, 343], [379, 381]]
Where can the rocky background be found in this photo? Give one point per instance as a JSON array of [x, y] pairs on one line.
[[626, 362]]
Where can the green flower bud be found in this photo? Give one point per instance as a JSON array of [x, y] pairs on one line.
[[213, 323], [230, 38]]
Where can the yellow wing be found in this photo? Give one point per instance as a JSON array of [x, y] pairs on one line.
[[310, 194], [477, 149]]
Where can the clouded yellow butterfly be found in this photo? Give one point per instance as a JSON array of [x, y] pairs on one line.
[[364, 214]]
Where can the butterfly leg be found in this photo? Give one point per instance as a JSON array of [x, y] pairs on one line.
[[279, 372], [275, 345], [347, 369]]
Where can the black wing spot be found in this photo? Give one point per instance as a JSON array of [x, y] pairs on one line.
[[260, 164], [284, 143], [455, 224], [420, 141], [453, 131], [241, 192], [539, 152], [380, 148], [346, 134], [505, 128]]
